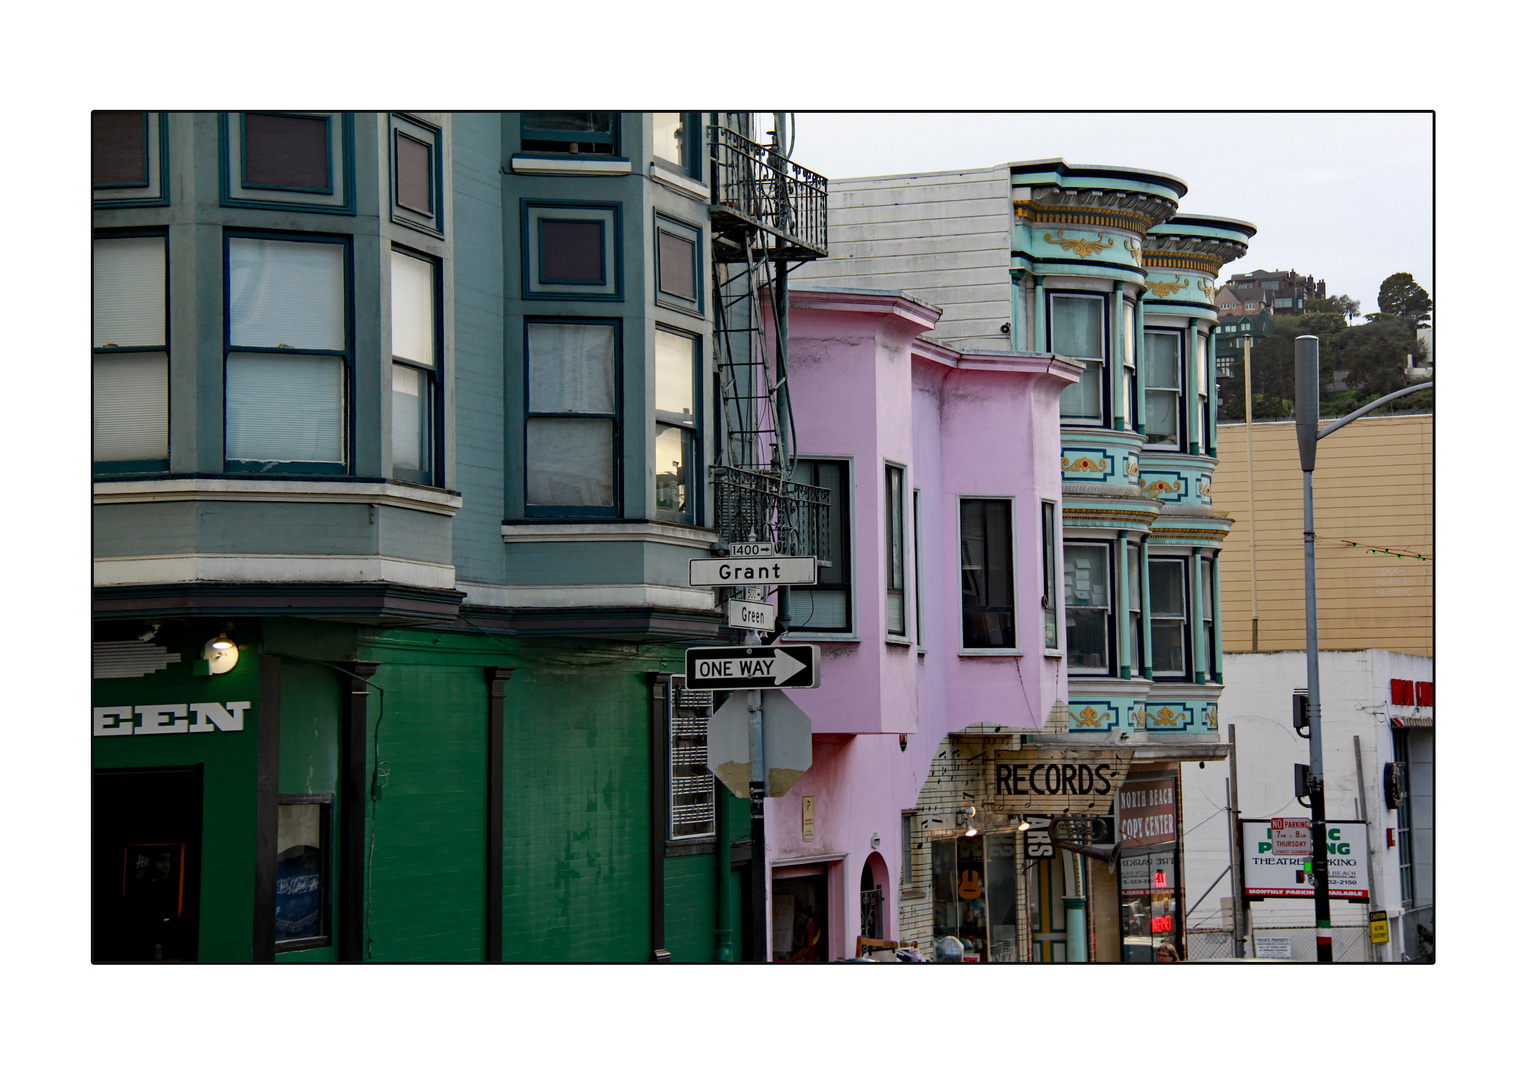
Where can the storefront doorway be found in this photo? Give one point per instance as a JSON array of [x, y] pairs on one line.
[[802, 919], [1150, 891], [146, 864], [975, 895]]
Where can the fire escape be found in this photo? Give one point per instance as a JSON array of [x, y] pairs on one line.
[[768, 216]]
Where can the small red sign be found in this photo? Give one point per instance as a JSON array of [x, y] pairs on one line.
[[1161, 924]]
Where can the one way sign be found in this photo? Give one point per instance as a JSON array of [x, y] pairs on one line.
[[753, 667]]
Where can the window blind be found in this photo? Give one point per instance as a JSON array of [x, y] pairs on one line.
[[1078, 326], [569, 462], [572, 367], [128, 291], [286, 293], [131, 407], [285, 408], [413, 309]]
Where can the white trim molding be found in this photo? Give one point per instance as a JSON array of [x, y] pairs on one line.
[[168, 569], [626, 531], [678, 181], [429, 500], [569, 166], [667, 597]]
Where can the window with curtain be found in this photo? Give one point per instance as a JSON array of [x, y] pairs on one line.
[[895, 551], [570, 132], [1163, 390], [1169, 618], [572, 425], [1131, 409], [1076, 332], [1089, 609], [674, 444], [287, 355], [130, 368], [827, 606], [986, 574], [415, 364]]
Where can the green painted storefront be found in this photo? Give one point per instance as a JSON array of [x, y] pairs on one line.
[[578, 819]]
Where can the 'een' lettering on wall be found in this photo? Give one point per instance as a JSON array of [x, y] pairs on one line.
[[199, 717]]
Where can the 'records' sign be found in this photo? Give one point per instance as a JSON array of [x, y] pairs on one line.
[[1056, 780]]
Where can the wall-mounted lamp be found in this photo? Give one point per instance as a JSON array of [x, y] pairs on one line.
[[219, 655], [1024, 826], [148, 635], [966, 816]]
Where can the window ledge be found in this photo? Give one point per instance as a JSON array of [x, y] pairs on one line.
[[1055, 654], [639, 531], [678, 181], [898, 641], [812, 635], [537, 165], [978, 653], [384, 493]]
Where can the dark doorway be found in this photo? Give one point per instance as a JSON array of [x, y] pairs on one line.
[[145, 864], [801, 920]]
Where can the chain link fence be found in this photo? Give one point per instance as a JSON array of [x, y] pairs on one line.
[[1349, 944]]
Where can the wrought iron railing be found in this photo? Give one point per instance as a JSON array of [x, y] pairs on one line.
[[752, 505], [764, 188]]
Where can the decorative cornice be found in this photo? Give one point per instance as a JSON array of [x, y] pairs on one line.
[[380, 493], [1183, 260], [1089, 512], [1027, 210]]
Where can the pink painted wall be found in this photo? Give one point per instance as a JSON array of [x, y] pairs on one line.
[[973, 425]]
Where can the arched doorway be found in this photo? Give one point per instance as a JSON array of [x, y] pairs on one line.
[[874, 882]]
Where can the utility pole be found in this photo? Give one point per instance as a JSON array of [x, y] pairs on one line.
[[1307, 431], [1237, 885], [1251, 491]]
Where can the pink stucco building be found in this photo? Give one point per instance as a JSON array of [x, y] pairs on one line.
[[937, 622]]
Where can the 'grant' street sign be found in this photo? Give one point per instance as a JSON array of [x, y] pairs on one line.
[[753, 667], [775, 570]]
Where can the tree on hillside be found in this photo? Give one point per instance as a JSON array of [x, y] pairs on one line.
[[1373, 355], [1343, 305], [1400, 296]]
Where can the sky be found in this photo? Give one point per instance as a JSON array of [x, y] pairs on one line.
[[1341, 196]]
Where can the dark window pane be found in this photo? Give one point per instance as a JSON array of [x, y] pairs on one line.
[[675, 265], [582, 122], [414, 175], [119, 148], [986, 558], [572, 252], [286, 151]]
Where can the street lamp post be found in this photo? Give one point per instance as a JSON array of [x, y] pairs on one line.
[[1307, 431]]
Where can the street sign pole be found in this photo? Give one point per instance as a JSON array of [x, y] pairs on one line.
[[756, 791]]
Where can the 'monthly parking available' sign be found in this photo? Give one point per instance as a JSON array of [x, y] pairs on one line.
[[1270, 872]]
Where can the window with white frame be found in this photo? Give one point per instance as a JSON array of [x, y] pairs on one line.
[[572, 418], [1136, 612], [1170, 645], [917, 559], [676, 140], [415, 365], [674, 445], [895, 551], [1163, 389], [1130, 411], [130, 368], [1048, 600], [1089, 608], [1077, 332], [1206, 601], [827, 606], [288, 352], [986, 574], [1206, 391]]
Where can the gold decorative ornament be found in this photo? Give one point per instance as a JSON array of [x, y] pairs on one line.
[[1155, 489], [1084, 248], [1089, 717], [1167, 718], [1167, 288], [1211, 717], [1083, 465]]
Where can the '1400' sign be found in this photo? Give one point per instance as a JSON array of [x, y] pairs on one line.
[[197, 717]]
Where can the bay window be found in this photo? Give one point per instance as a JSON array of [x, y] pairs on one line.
[[1136, 612], [130, 368], [415, 365], [1169, 617], [1163, 389], [572, 422], [674, 446], [1077, 332], [986, 574], [1206, 600], [1089, 609], [287, 355]]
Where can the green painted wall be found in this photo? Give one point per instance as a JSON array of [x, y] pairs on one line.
[[228, 789]]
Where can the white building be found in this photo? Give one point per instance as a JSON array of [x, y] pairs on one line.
[[1376, 710]]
